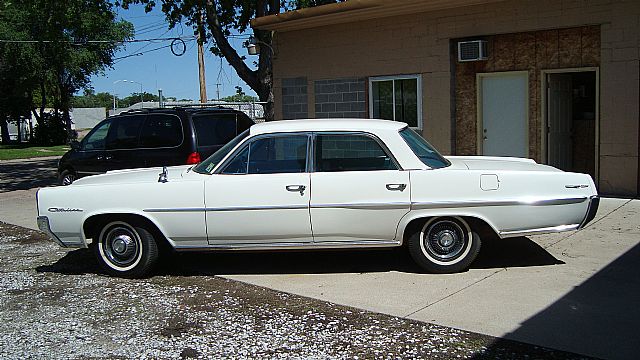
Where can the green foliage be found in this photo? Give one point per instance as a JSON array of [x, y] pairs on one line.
[[59, 56], [239, 96], [51, 130], [91, 100]]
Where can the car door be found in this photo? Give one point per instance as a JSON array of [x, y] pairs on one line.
[[89, 159], [161, 140], [359, 191], [122, 143], [261, 195]]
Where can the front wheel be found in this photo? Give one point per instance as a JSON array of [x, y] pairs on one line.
[[67, 177], [126, 250], [444, 245]]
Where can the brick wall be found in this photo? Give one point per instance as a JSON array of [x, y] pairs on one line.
[[340, 98]]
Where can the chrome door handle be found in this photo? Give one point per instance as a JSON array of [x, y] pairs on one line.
[[396, 187], [296, 188]]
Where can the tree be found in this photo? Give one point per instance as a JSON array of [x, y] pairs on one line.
[[218, 19], [239, 96], [63, 45]]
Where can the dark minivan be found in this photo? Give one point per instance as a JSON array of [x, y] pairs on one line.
[[151, 137]]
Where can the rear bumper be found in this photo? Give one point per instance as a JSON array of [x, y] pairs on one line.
[[43, 225], [592, 209]]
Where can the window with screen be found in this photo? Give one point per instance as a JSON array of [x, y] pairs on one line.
[[161, 130], [271, 155], [124, 132], [396, 98], [335, 152]]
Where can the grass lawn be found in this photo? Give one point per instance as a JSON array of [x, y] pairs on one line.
[[8, 152]]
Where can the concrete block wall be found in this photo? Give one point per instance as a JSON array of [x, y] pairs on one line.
[[294, 98], [340, 98]]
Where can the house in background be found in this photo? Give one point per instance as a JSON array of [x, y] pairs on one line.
[[553, 80]]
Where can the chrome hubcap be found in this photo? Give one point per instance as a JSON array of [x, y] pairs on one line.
[[68, 180], [121, 245], [445, 240]]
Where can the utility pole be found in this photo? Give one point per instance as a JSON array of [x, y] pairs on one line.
[[203, 84]]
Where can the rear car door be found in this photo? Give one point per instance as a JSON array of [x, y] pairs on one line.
[[359, 191], [261, 195], [122, 143], [162, 141]]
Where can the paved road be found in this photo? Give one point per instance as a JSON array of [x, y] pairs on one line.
[[576, 291]]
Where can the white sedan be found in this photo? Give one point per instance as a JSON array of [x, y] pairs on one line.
[[309, 184]]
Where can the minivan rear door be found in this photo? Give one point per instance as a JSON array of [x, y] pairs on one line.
[[214, 130]]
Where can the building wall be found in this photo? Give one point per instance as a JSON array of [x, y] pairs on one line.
[[532, 52], [421, 44]]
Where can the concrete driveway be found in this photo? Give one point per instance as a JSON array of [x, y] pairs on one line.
[[576, 291]]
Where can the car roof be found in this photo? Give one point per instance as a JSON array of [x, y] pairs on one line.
[[326, 125]]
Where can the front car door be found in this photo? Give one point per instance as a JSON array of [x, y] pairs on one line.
[[261, 194], [89, 159], [359, 191]]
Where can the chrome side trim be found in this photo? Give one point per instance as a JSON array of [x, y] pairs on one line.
[[479, 203], [526, 232], [367, 206], [289, 246], [173, 210]]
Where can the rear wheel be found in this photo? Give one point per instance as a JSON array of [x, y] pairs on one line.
[[444, 245], [67, 177], [126, 250]]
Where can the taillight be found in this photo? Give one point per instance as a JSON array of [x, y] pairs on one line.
[[193, 158]]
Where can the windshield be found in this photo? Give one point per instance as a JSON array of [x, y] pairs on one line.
[[208, 164], [423, 150]]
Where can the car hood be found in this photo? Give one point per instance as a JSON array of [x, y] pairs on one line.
[[497, 163], [129, 176]]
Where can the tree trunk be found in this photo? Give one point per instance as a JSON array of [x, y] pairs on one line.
[[4, 128]]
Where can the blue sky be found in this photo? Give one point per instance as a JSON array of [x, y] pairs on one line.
[[175, 75]]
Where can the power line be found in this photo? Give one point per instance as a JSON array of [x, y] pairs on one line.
[[82, 42]]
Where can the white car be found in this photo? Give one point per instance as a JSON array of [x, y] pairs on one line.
[[309, 184]]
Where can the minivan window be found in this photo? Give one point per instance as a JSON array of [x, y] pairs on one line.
[[96, 138], [215, 129], [210, 163], [161, 130], [124, 132]]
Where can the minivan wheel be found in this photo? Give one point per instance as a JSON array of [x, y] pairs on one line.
[[67, 177], [444, 245], [126, 250]]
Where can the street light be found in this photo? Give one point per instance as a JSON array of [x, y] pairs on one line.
[[127, 81]]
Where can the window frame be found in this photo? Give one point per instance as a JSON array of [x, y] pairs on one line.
[[417, 77], [382, 145], [222, 166]]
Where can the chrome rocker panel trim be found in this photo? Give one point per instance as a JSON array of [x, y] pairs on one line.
[[291, 246]]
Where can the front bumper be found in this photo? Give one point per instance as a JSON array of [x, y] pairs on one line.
[[594, 202], [43, 225]]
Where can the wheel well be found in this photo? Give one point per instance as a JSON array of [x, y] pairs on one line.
[[93, 225], [484, 230]]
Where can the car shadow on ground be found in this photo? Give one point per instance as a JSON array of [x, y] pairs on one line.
[[516, 252], [27, 175]]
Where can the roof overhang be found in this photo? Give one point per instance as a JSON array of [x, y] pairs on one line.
[[354, 10]]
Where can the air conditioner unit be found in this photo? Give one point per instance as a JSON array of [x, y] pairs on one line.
[[475, 50]]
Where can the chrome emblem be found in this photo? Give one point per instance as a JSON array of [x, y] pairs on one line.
[[55, 209]]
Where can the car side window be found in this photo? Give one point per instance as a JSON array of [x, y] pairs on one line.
[[161, 130], [215, 129], [271, 155], [96, 139], [350, 152], [124, 132]]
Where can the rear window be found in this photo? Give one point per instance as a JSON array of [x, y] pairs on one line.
[[161, 130], [215, 129]]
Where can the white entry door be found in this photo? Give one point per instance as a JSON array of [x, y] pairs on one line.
[[503, 99]]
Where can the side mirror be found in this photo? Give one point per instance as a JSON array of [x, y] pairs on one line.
[[75, 145]]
